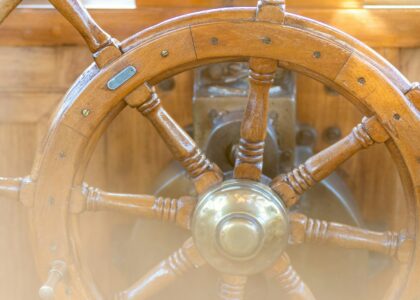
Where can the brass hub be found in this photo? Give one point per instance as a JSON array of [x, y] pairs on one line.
[[240, 227]]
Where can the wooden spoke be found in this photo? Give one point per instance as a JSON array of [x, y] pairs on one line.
[[232, 287], [6, 7], [304, 229], [288, 280], [179, 263], [104, 48], [249, 159], [177, 211], [290, 186], [10, 187], [204, 173]]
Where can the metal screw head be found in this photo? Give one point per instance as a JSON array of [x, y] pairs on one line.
[[397, 116], [316, 54], [167, 85], [164, 53], [305, 137], [286, 157], [361, 80], [85, 112], [214, 41], [332, 134], [266, 40]]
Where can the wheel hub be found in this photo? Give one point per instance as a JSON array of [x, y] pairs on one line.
[[240, 227]]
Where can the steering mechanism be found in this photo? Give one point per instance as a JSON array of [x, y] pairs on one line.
[[240, 226]]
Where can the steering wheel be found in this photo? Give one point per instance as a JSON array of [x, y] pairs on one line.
[[239, 226]]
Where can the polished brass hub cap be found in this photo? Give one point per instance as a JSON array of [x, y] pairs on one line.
[[240, 227]]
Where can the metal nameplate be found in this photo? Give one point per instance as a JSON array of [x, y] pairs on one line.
[[121, 78]]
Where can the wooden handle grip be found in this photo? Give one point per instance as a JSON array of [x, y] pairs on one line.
[[78, 16], [105, 49], [6, 7], [57, 272], [322, 164]]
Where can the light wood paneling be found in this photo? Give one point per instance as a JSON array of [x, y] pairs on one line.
[[378, 28]]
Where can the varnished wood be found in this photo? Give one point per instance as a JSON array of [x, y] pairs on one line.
[[249, 158], [232, 287], [289, 186], [398, 32], [203, 172], [307, 230], [179, 263], [414, 95], [342, 70], [178, 211], [10, 187], [288, 281], [100, 43], [6, 7]]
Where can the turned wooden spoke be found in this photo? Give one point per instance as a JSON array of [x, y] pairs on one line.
[[290, 186], [304, 229], [104, 48], [180, 262], [19, 188], [204, 173], [232, 287], [249, 158], [10, 187], [288, 280], [177, 211]]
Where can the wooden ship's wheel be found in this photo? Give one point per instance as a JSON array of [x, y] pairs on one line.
[[238, 226]]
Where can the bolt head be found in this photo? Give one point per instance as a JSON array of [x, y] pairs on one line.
[[332, 134], [214, 41], [361, 80], [266, 40], [85, 112], [164, 53]]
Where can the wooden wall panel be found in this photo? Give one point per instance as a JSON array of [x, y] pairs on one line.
[[386, 28]]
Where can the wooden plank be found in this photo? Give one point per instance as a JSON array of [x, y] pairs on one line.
[[40, 69], [387, 28], [27, 107], [392, 2], [228, 3], [410, 63]]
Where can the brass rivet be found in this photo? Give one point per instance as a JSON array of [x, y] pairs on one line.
[[316, 54], [164, 53], [214, 41], [361, 80], [266, 40], [85, 112]]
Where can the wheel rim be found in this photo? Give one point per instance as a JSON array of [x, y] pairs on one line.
[[89, 93]]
